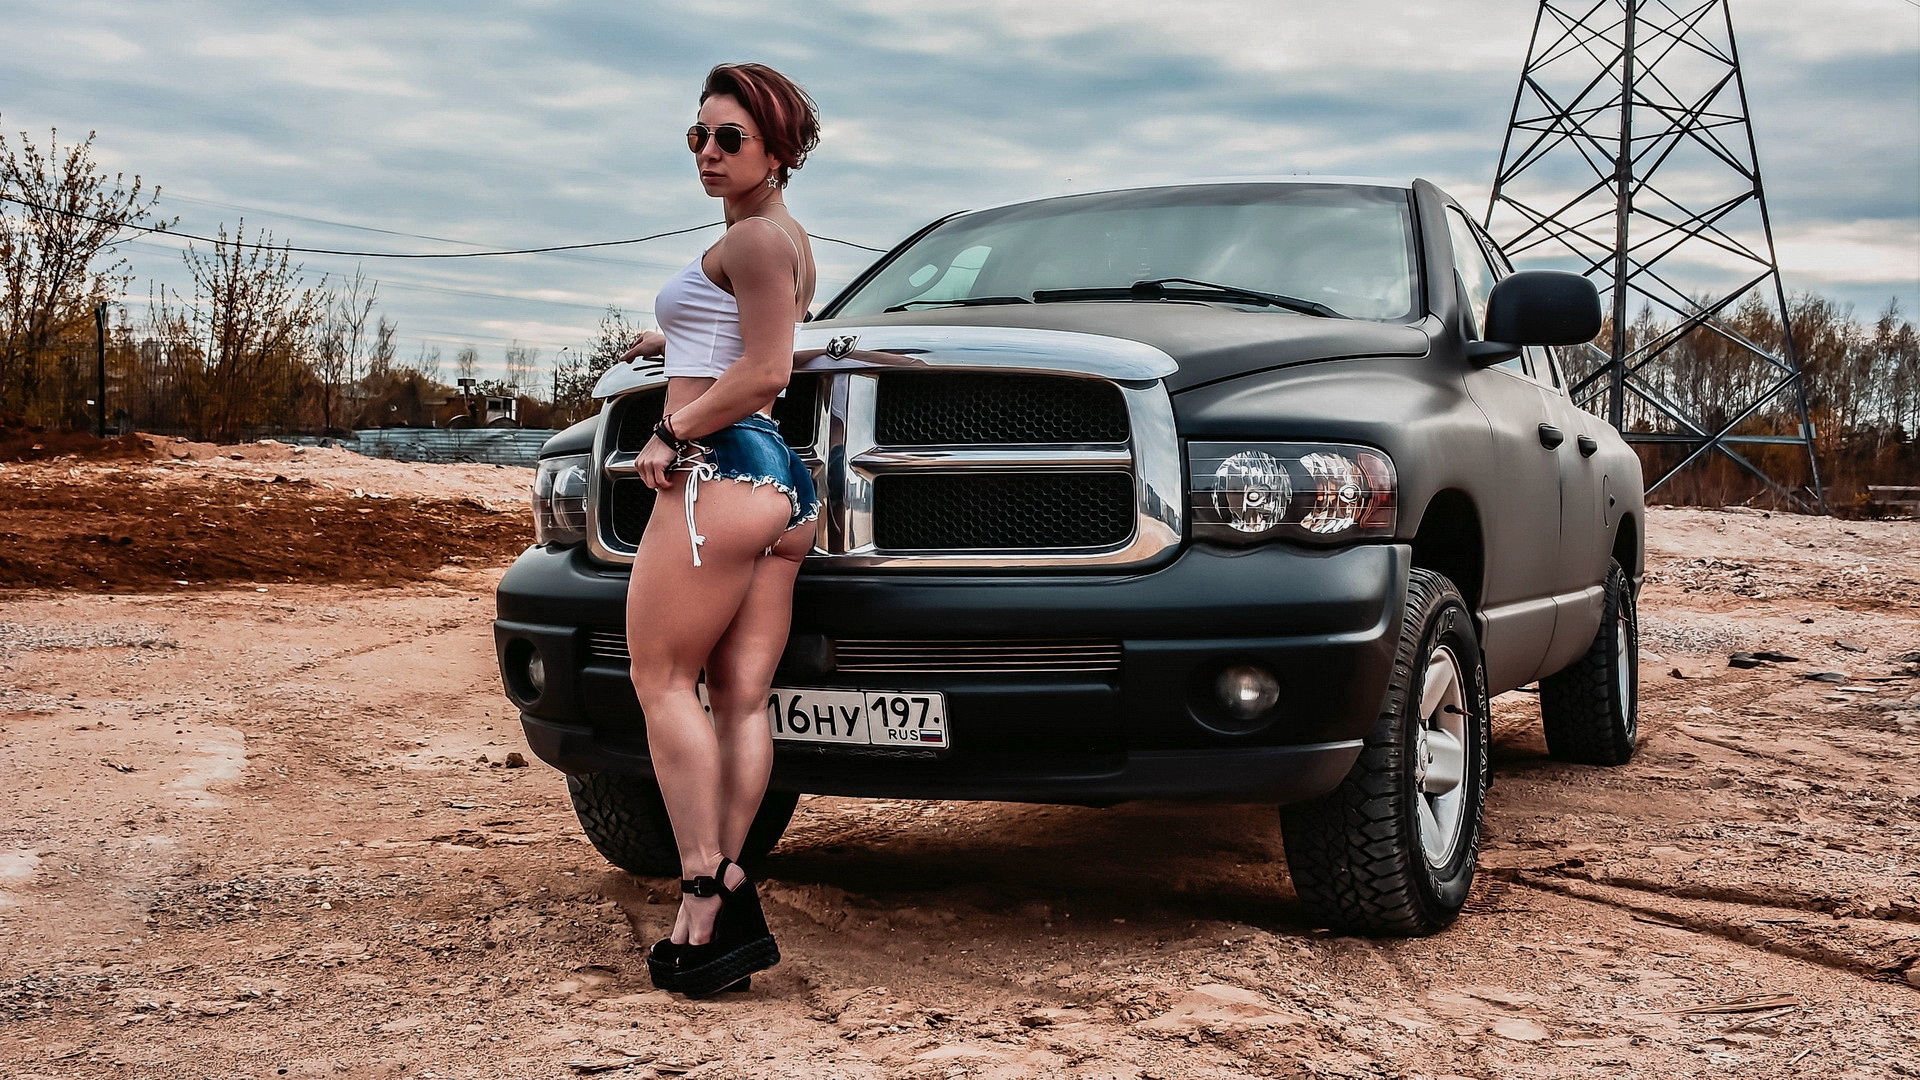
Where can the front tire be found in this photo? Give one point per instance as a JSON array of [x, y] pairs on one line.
[[1392, 850], [626, 819], [1591, 711]]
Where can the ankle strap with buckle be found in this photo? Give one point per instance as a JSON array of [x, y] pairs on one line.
[[707, 884]]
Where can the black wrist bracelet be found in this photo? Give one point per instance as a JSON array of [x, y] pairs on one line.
[[664, 432]]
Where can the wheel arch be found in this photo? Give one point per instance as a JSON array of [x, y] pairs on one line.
[[1450, 541], [1628, 547]]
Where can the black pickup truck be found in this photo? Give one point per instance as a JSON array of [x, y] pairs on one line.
[[1248, 491]]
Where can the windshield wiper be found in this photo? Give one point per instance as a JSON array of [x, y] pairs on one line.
[[965, 301], [1157, 289]]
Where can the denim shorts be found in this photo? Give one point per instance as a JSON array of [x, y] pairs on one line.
[[750, 450]]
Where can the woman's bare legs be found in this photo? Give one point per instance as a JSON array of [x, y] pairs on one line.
[[676, 614], [739, 677]]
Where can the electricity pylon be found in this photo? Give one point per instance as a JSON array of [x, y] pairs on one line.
[[1629, 157]]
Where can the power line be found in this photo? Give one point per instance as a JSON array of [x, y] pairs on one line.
[[175, 196], [387, 282], [315, 220], [162, 230]]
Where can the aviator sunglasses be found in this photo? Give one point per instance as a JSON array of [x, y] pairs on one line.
[[728, 136]]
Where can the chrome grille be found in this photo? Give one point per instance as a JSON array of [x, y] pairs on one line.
[[1030, 656], [963, 447]]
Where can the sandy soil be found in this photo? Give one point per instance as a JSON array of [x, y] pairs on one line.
[[270, 830]]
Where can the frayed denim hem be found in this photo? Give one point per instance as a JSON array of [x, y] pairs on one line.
[[799, 517]]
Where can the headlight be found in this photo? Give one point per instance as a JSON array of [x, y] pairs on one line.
[[560, 500], [1331, 493], [1251, 491]]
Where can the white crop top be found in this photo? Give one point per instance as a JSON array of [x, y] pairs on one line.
[[702, 321]]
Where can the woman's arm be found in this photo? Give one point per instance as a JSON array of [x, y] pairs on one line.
[[650, 343], [759, 264]]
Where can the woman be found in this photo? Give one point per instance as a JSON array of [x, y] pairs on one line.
[[716, 596]]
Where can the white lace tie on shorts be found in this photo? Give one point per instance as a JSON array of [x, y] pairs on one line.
[[693, 463]]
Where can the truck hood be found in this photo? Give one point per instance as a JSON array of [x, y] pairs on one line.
[[1205, 342]]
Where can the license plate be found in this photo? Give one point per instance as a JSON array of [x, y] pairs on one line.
[[903, 718]]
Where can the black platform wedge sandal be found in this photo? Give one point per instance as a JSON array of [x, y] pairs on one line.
[[663, 961], [741, 943]]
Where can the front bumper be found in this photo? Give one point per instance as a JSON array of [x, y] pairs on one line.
[[1325, 622]]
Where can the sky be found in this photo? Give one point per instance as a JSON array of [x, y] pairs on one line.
[[419, 127]]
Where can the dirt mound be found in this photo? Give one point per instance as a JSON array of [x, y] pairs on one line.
[[156, 527], [176, 448], [21, 441]]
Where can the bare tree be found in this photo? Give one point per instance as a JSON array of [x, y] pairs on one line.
[[428, 362], [60, 217], [380, 352], [256, 317], [575, 378], [522, 362], [467, 363], [617, 333], [345, 346]]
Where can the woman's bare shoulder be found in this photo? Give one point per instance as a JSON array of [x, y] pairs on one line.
[[779, 227], [759, 242]]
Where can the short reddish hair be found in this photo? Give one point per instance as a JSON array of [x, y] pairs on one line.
[[789, 120]]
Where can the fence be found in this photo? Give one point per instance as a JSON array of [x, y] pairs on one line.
[[484, 446], [1897, 497]]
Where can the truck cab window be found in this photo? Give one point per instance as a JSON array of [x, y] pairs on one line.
[[1477, 278]]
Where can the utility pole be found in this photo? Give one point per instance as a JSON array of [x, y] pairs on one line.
[[1629, 157], [100, 351]]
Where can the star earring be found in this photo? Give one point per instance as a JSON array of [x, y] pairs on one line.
[[772, 180]]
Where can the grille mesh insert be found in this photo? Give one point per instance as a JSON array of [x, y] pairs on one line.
[[637, 419], [949, 409], [794, 412], [1002, 511], [629, 503]]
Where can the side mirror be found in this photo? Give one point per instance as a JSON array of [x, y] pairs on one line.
[[1539, 307]]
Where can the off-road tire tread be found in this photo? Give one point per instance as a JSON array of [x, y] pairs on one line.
[[626, 820], [1351, 862], [1576, 710]]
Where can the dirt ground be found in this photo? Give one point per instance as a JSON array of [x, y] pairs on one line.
[[264, 825], [173, 514]]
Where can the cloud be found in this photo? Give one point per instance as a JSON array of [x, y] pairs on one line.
[[518, 123], [1856, 253]]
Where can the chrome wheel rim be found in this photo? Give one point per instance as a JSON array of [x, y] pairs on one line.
[[1622, 645], [1627, 653], [1440, 757]]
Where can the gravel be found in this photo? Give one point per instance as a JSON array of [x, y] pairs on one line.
[[19, 637]]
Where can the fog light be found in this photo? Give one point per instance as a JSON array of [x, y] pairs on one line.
[[537, 673], [1246, 691]]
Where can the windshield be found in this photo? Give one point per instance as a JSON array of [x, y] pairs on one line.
[[1345, 246]]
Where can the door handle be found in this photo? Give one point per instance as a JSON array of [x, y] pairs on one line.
[[1551, 437], [1588, 447]]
